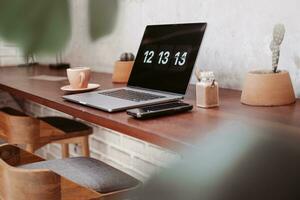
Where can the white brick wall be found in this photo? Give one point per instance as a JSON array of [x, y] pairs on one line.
[[7, 100], [10, 54], [135, 157]]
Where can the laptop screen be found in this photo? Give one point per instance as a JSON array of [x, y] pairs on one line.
[[166, 57]]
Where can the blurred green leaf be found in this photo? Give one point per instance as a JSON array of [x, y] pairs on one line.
[[103, 14], [41, 26]]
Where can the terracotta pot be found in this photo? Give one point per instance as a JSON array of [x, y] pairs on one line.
[[265, 88], [122, 71]]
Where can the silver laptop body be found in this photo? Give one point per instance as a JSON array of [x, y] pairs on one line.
[[112, 104], [161, 72]]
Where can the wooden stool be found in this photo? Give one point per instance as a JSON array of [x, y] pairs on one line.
[[27, 176], [23, 184], [19, 128]]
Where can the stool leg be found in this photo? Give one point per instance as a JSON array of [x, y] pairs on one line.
[[85, 146], [30, 148], [65, 150]]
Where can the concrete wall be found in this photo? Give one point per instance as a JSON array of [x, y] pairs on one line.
[[237, 39]]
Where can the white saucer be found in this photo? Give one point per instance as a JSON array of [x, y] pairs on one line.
[[90, 87]]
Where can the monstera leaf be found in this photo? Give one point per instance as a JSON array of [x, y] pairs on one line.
[[43, 26]]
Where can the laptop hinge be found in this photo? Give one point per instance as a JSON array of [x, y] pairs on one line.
[[158, 91]]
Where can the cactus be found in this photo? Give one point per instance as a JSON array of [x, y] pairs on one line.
[[127, 57], [278, 35]]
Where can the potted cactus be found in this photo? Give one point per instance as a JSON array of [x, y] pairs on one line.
[[270, 87], [123, 68]]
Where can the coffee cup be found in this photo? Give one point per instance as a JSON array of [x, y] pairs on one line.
[[79, 77]]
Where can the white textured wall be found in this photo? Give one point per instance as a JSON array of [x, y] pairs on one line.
[[237, 38]]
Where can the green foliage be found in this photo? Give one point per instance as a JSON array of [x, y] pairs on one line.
[[35, 25], [43, 26], [102, 15]]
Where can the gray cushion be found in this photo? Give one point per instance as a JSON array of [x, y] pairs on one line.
[[2, 141], [12, 111], [88, 172], [66, 125]]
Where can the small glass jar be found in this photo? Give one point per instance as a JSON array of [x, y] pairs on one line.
[[207, 91]]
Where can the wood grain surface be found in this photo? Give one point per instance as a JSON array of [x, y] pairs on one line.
[[174, 132]]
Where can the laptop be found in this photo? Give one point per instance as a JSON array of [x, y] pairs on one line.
[[161, 72]]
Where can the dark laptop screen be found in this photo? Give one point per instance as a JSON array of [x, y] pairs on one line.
[[166, 57]]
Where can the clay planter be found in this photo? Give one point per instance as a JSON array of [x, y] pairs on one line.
[[265, 88], [122, 71]]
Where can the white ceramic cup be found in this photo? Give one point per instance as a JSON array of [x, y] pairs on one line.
[[79, 77]]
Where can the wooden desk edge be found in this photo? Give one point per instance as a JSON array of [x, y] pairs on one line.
[[172, 144]]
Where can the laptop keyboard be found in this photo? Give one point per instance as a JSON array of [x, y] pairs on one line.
[[131, 95]]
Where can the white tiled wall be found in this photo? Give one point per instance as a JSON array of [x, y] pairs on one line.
[[135, 157]]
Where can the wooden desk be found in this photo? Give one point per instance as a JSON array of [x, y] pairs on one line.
[[171, 132]]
